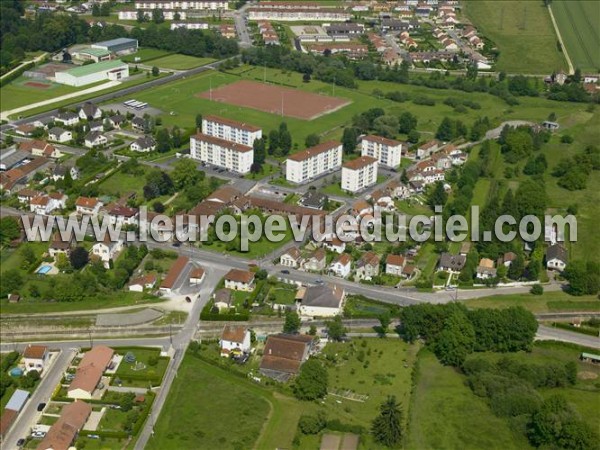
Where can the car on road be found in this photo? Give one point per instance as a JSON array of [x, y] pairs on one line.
[[41, 406], [21, 442], [285, 271], [176, 244], [319, 281]]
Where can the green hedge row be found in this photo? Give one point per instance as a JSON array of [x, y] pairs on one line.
[[16, 74], [582, 330]]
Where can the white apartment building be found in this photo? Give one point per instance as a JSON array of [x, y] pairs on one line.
[[312, 162], [299, 14], [386, 151], [191, 4], [219, 152], [359, 173], [230, 130], [132, 14]]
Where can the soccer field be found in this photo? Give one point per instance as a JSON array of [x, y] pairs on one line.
[[522, 31], [579, 25]]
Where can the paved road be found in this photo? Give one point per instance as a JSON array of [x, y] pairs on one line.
[[29, 415], [241, 28], [556, 334]]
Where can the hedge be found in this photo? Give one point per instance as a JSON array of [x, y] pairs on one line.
[[16, 74], [582, 330]]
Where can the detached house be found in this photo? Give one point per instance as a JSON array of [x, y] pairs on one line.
[[556, 257], [291, 258], [316, 261], [88, 205], [59, 134], [239, 280], [342, 265], [486, 269], [107, 250], [367, 267], [235, 339], [284, 354], [95, 139], [67, 119], [394, 264], [452, 263], [89, 111], [40, 148], [143, 144], [138, 124], [334, 244], [59, 246], [117, 121], [142, 283], [36, 357], [122, 215], [322, 301]]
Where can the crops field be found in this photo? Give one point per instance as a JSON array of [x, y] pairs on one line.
[[522, 31], [578, 22]]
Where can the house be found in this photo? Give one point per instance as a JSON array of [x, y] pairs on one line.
[[485, 269], [59, 246], [25, 195], [408, 271], [427, 149], [313, 199], [342, 265], [15, 178], [95, 139], [45, 204], [60, 172], [222, 298], [334, 244], [174, 274], [451, 263], [89, 372], [40, 148], [382, 200], [291, 258], [138, 124], [94, 125], [396, 189], [394, 264], [88, 205], [42, 122], [367, 266], [25, 129], [552, 126], [507, 259], [107, 250], [65, 430], [284, 354], [316, 261], [36, 357], [322, 301], [59, 134], [556, 257], [239, 280], [143, 144], [117, 121], [235, 339], [196, 275], [14, 298], [89, 111], [122, 215], [67, 118], [145, 282]]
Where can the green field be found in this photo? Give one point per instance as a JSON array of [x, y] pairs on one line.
[[555, 301], [445, 414], [522, 31], [145, 54], [578, 25], [181, 62]]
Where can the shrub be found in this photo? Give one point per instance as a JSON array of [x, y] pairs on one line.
[[537, 289], [312, 424]]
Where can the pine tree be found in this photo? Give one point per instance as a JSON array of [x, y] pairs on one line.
[[386, 428]]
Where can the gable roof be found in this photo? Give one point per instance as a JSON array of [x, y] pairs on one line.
[[62, 434], [145, 141], [455, 262], [35, 351], [91, 368], [395, 260], [369, 258], [323, 296], [89, 109], [174, 272], [360, 162], [557, 251], [314, 151], [285, 352], [234, 333], [239, 276], [344, 259], [87, 202], [293, 253]]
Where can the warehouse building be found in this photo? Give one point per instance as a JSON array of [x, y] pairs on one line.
[[119, 46], [106, 70], [92, 54]]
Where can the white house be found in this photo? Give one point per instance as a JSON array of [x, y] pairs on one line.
[[143, 144], [313, 162], [485, 269], [342, 265], [197, 275], [388, 152], [239, 280], [556, 257], [89, 111], [145, 282], [359, 174], [67, 118], [235, 339], [316, 261], [95, 139], [45, 204], [122, 215], [291, 258], [59, 134], [427, 149], [107, 250], [334, 244], [394, 264], [367, 266], [88, 205], [36, 357], [223, 153], [322, 301]]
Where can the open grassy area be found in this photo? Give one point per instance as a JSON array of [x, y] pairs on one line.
[[180, 62], [144, 55], [548, 302], [205, 410], [578, 25], [130, 373], [521, 30], [444, 413]]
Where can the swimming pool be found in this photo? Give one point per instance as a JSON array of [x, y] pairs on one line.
[[44, 270]]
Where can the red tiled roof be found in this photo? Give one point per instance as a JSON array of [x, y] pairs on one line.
[[174, 272], [313, 151], [86, 202], [35, 351], [359, 163], [395, 260], [232, 123], [381, 140], [239, 276], [233, 333], [62, 434]]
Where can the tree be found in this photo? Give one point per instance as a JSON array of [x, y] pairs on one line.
[[199, 121], [158, 16], [407, 122], [312, 140], [413, 136], [155, 70], [185, 174], [292, 322], [79, 257], [335, 328], [306, 77], [312, 381], [583, 277], [141, 16], [472, 71], [537, 289], [158, 207], [260, 153], [516, 268], [438, 196], [273, 141], [126, 402], [312, 330], [456, 341], [9, 229], [386, 428], [62, 262], [349, 140], [384, 321], [285, 139]]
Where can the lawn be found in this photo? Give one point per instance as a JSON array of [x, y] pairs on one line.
[[444, 413], [130, 375], [144, 55], [181, 62], [556, 301], [209, 408], [119, 183], [578, 25], [522, 31], [282, 293]]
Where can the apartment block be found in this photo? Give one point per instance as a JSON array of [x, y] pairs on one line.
[[312, 162], [220, 152], [299, 14], [386, 151], [230, 130], [183, 5], [359, 174]]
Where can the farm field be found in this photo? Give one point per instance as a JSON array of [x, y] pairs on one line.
[[180, 62], [444, 413], [523, 32], [578, 22]]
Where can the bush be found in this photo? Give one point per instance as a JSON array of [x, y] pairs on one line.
[[312, 424], [537, 289]]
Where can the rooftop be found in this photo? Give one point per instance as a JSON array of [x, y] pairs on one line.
[[232, 123], [314, 151], [359, 163], [89, 69]]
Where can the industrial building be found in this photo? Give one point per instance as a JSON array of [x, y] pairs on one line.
[[119, 46], [92, 73]]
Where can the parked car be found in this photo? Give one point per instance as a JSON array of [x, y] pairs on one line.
[[41, 406], [285, 271], [21, 442]]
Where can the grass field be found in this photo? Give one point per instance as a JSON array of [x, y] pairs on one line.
[[548, 302], [444, 413], [522, 31], [180, 62], [145, 54], [577, 22]]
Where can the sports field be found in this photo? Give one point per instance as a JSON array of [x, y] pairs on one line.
[[275, 99], [522, 31], [579, 25], [180, 62]]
